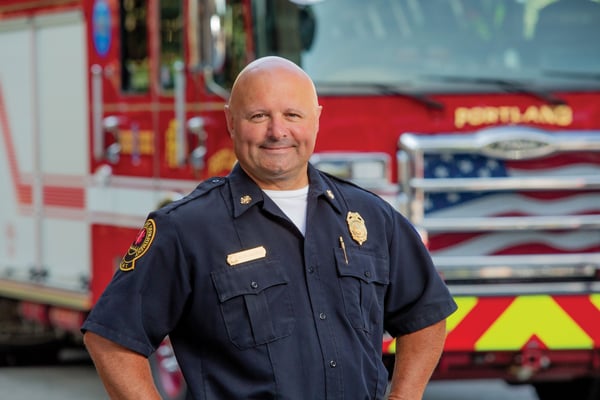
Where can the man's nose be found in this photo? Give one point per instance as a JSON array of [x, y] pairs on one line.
[[278, 128]]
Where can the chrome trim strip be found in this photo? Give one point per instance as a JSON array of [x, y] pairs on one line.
[[510, 223], [502, 184], [518, 142], [512, 289], [514, 261], [97, 112], [179, 107]]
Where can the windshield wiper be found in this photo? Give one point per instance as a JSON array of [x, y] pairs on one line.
[[580, 75], [509, 86], [383, 88]]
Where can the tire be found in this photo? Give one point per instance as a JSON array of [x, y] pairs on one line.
[[166, 373], [24, 342], [580, 389], [31, 355]]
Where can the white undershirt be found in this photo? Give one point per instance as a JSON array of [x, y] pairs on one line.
[[292, 203]]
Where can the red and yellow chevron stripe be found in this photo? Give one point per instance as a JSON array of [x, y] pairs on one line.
[[554, 322]]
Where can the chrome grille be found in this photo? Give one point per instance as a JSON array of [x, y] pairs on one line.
[[492, 211]]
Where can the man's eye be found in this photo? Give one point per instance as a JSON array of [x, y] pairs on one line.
[[258, 116]]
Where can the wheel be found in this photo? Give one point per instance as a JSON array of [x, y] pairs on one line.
[[581, 389], [166, 373], [24, 342], [29, 355]]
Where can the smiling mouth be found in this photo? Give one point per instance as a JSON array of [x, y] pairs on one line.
[[277, 148]]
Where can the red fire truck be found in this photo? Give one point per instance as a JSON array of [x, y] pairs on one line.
[[478, 119]]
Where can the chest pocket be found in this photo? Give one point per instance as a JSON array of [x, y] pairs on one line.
[[255, 303], [363, 279]]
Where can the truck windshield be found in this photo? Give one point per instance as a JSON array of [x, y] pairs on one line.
[[435, 45]]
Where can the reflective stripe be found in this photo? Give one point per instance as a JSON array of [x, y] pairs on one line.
[[530, 316], [510, 323], [465, 305], [595, 299]]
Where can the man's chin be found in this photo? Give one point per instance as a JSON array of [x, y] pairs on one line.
[[279, 177]]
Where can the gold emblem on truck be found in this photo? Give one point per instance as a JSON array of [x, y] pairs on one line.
[[561, 115]]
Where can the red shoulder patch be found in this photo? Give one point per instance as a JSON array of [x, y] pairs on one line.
[[139, 246]]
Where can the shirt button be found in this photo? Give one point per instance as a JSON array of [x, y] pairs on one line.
[[332, 364], [254, 285], [311, 269], [322, 315], [368, 274]]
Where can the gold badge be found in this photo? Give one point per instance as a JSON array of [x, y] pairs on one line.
[[139, 247], [356, 225], [245, 199]]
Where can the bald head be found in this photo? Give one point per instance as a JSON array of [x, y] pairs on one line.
[[273, 118], [270, 66]]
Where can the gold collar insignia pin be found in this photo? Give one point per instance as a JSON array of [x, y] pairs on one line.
[[245, 199], [330, 194], [357, 227]]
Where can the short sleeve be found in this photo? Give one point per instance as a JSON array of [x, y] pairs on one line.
[[147, 294], [417, 296]]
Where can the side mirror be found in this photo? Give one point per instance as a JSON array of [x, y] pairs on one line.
[[212, 34], [308, 26]]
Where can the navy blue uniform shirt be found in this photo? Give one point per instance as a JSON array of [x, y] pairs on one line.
[[292, 317]]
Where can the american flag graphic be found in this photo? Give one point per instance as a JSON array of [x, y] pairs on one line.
[[512, 204]]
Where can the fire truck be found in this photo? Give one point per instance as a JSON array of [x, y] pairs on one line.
[[478, 120]]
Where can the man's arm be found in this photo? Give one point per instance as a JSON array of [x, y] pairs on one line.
[[124, 373], [417, 355]]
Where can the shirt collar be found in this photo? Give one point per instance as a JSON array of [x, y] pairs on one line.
[[245, 193], [322, 187]]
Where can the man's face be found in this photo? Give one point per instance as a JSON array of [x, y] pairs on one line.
[[273, 119]]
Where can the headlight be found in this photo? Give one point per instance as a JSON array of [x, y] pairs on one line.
[[371, 170]]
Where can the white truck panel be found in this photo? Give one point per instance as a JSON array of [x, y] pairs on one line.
[[44, 144], [62, 94], [17, 224], [16, 83]]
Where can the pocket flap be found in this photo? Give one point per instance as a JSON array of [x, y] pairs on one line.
[[248, 279], [360, 265]]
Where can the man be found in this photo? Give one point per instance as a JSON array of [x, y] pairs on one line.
[[276, 281]]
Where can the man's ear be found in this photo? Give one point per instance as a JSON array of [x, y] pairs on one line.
[[319, 109], [229, 119]]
